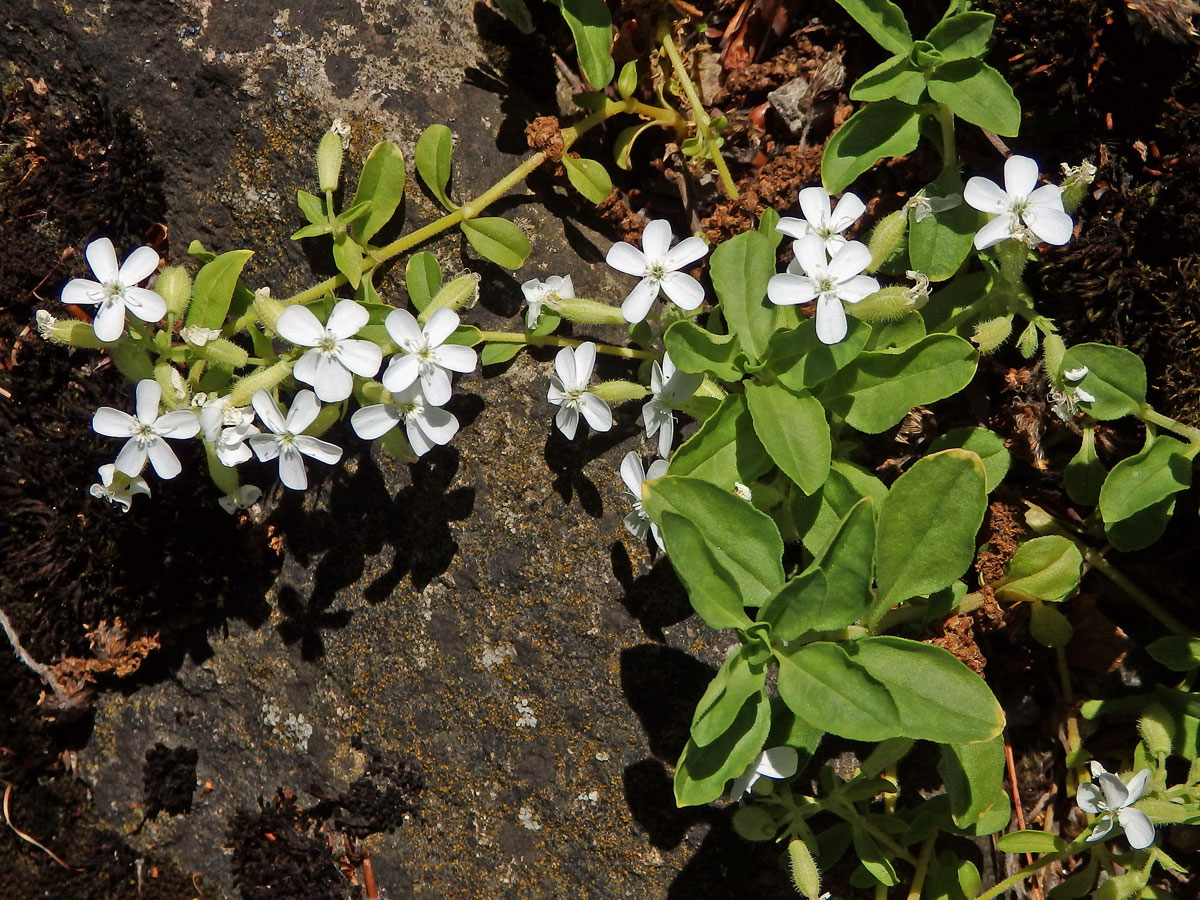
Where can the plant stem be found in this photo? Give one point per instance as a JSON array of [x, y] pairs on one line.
[[1144, 600], [918, 882], [1151, 416], [699, 116], [550, 340], [945, 119], [1073, 739], [997, 889]]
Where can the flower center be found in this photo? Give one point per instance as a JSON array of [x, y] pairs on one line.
[[411, 408], [328, 343], [287, 440], [825, 232], [826, 284], [1020, 206], [145, 434], [573, 395], [655, 271], [113, 290]]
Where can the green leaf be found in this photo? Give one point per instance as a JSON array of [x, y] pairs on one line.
[[897, 334], [591, 26], [740, 269], [742, 541], [974, 778], [793, 429], [588, 177], [939, 242], [819, 517], [725, 449], [623, 145], [884, 129], [873, 860], [882, 20], [1030, 842], [927, 526], [1142, 528], [735, 682], [1177, 653], [987, 445], [823, 686], [1160, 471], [701, 773], [1045, 568], [977, 93], [498, 354], [498, 240], [937, 697], [432, 159], [952, 300], [1115, 377], [313, 208], [518, 13], [422, 278], [1085, 473], [627, 80], [213, 289], [894, 78], [877, 390], [800, 360], [962, 36], [713, 589], [381, 187], [1048, 626], [799, 606], [699, 351], [348, 257]]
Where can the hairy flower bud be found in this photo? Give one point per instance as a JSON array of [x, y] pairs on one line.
[[991, 334], [266, 308], [1076, 180], [459, 293], [888, 238], [66, 331], [263, 379], [884, 305], [619, 391], [175, 286], [329, 161], [586, 312]]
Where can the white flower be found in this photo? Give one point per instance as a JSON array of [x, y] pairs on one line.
[[743, 492], [117, 487], [831, 282], [1075, 374], [116, 288], [426, 355], [146, 432], [1019, 208], [1109, 796], [247, 495], [286, 440], [335, 354], [427, 425], [657, 264], [778, 762], [198, 335], [568, 391], [634, 474], [822, 218], [538, 292], [45, 321], [227, 428], [669, 388]]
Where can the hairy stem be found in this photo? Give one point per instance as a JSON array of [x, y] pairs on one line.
[[550, 340]]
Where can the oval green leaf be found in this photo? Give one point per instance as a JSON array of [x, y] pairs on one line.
[[977, 93], [213, 289], [793, 429], [588, 177], [498, 240], [381, 187], [883, 129], [1115, 377], [432, 159]]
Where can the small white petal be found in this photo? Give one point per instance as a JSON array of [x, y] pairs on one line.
[[627, 258], [994, 232], [401, 372], [82, 292], [657, 469], [1088, 796], [360, 357], [109, 322], [1084, 396], [138, 266], [321, 451], [435, 385], [815, 204], [557, 392], [986, 196], [163, 459], [831, 320], [145, 304], [331, 381], [102, 257], [788, 290], [857, 288], [1075, 374], [304, 410], [567, 420], [742, 784], [1020, 176], [850, 260], [178, 424], [847, 212], [298, 325], [291, 470], [417, 439], [778, 762], [132, 458], [440, 325], [1136, 787], [633, 473], [455, 357], [666, 435], [1053, 226], [375, 421], [656, 240], [438, 425], [810, 253], [148, 397], [1102, 829], [596, 411], [585, 361], [347, 320], [683, 290], [564, 365], [1139, 830], [113, 422], [265, 446], [637, 303], [403, 327], [636, 524], [1115, 793], [793, 227], [685, 252], [268, 412]]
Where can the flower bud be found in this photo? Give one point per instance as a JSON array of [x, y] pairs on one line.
[[175, 286], [329, 161], [1076, 180], [459, 293], [67, 331], [266, 308], [263, 379], [1013, 256], [1053, 351], [991, 334], [805, 874], [619, 391], [1157, 728], [884, 305], [222, 352], [586, 312], [887, 238]]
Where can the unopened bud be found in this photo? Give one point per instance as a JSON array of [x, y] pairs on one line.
[[991, 334], [586, 312], [805, 874], [885, 305], [175, 286], [1013, 255], [222, 352], [459, 293], [1076, 180], [888, 238], [266, 308], [329, 161], [262, 380], [619, 391], [1157, 728], [66, 331]]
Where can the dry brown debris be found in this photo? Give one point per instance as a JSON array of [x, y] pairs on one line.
[[544, 135]]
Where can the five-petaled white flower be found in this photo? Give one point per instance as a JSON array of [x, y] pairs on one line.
[[247, 495], [822, 218], [658, 265], [568, 391], [831, 282], [146, 432], [669, 388], [426, 425], [227, 428], [556, 287], [336, 356], [778, 762], [117, 487], [634, 474], [116, 288], [1109, 796], [287, 441], [1020, 208], [425, 354]]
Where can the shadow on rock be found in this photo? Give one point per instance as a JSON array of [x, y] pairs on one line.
[[663, 686], [656, 599]]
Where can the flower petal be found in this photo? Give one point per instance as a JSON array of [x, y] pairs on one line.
[[291, 469], [585, 361], [1137, 786], [638, 302], [138, 266], [441, 325], [333, 381], [666, 434], [744, 782], [857, 288], [815, 204], [1139, 830], [438, 425], [683, 290], [1101, 829], [435, 385], [132, 458], [1051, 225], [851, 258], [163, 459], [793, 227], [416, 438], [148, 397], [633, 473], [360, 357], [178, 425], [265, 406], [985, 195], [455, 357], [1020, 176], [113, 422], [321, 451], [627, 258], [596, 411], [371, 422], [686, 251], [347, 319], [298, 325], [1115, 793], [994, 232], [778, 762], [556, 394], [102, 257], [831, 320], [402, 326], [304, 410], [145, 304], [265, 446], [788, 290], [567, 420], [109, 322], [847, 211], [810, 254], [636, 524], [657, 469], [401, 372], [656, 240], [564, 365], [1087, 797], [82, 292]]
